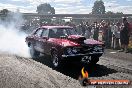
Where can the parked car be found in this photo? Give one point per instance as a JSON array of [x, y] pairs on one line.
[[63, 44]]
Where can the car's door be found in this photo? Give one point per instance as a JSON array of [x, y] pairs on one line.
[[50, 43], [43, 41], [37, 37]]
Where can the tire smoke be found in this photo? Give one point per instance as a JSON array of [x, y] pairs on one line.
[[12, 40]]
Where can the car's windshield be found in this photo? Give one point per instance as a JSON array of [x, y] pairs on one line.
[[61, 32]]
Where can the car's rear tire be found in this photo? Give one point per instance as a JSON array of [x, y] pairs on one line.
[[34, 54], [55, 59]]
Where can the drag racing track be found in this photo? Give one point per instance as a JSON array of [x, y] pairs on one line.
[[19, 72], [73, 70], [107, 67]]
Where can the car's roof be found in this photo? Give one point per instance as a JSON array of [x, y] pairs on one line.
[[51, 27]]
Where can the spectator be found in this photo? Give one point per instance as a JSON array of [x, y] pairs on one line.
[[108, 35], [88, 30], [103, 28], [82, 28], [96, 31], [113, 27], [116, 36], [124, 36]]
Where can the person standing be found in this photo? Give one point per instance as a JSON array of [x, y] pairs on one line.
[[87, 31], [82, 28], [103, 29], [116, 36], [96, 31], [124, 35], [108, 35], [113, 27]]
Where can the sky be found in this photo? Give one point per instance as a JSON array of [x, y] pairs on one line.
[[66, 6]]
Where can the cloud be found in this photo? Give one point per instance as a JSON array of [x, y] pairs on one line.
[[16, 0], [112, 3], [67, 1], [37, 2], [71, 7], [8, 6], [124, 9], [11, 7], [115, 7], [129, 0], [74, 10]]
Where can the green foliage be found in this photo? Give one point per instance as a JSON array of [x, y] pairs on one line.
[[45, 9], [4, 11], [4, 15], [98, 7]]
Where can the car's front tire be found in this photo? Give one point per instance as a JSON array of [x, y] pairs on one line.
[[55, 59], [34, 54]]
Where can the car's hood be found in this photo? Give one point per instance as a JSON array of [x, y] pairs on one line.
[[92, 42], [82, 40], [77, 38], [63, 42], [74, 40]]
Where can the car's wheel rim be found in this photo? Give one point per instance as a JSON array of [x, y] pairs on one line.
[[31, 51], [55, 60], [89, 60]]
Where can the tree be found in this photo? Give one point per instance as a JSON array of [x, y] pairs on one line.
[[4, 11], [5, 15], [45, 9], [98, 7]]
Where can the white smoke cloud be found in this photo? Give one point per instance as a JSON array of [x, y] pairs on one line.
[[12, 40]]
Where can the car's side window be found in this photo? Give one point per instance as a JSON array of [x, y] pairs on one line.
[[45, 32], [38, 32], [52, 33]]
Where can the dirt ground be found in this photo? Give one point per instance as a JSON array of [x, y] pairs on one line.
[[17, 72]]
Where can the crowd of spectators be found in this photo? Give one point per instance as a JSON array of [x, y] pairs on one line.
[[114, 35]]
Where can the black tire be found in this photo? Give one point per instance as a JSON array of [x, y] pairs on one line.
[[55, 59], [34, 54]]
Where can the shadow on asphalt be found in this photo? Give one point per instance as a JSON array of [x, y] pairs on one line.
[[74, 70]]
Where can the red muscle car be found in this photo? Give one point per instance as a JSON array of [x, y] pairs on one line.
[[64, 44]]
